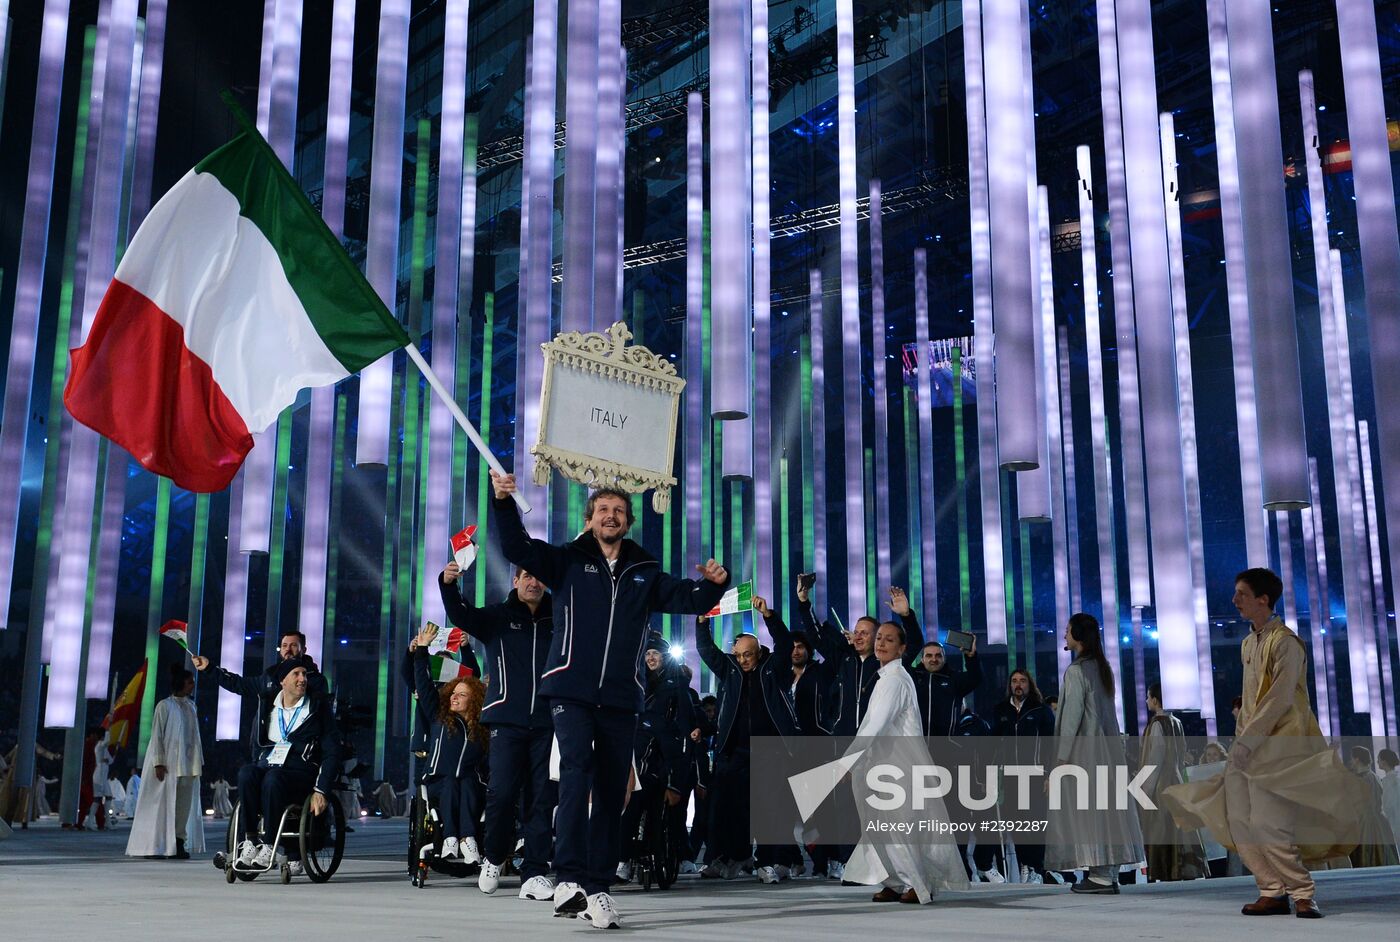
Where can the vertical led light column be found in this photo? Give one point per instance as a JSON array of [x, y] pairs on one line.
[[610, 147], [1050, 374], [438, 524], [696, 426], [1071, 503], [1325, 673], [1098, 419], [1016, 318], [1186, 403], [1129, 407], [762, 314], [29, 284], [1236, 288], [581, 105], [928, 500], [1173, 583], [1380, 243], [984, 358], [385, 193], [1268, 265], [730, 120], [315, 547], [853, 406], [1373, 533], [816, 330], [879, 362]]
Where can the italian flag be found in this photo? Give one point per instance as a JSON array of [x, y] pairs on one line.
[[450, 643], [445, 669], [231, 298], [464, 547], [737, 599], [175, 631]]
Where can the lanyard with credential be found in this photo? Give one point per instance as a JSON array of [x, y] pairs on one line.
[[282, 720]]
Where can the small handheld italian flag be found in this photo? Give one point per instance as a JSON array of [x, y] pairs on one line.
[[451, 642], [464, 548], [738, 599], [175, 631], [445, 669]]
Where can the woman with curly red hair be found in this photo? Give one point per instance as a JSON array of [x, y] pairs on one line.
[[456, 761]]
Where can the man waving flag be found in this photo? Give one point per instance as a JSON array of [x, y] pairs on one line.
[[231, 298]]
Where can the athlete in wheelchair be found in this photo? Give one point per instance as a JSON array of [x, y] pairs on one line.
[[451, 743], [649, 823], [286, 816]]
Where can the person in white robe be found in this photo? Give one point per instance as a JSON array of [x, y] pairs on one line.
[[41, 796], [133, 793], [223, 804], [913, 872], [116, 797], [169, 821]]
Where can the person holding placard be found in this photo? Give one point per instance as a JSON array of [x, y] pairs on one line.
[[591, 677]]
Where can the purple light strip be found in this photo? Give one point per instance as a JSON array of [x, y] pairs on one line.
[[1380, 244], [536, 316], [928, 499], [1129, 407], [104, 578], [993, 574], [1237, 289], [610, 149], [1285, 565], [1268, 267], [1311, 637], [231, 638], [1071, 503], [1172, 579], [1357, 506], [152, 67], [1055, 471], [853, 407], [762, 314], [817, 330], [583, 98], [385, 191], [29, 285], [321, 420], [736, 451], [72, 575], [696, 427], [438, 525], [1019, 428], [1382, 624], [880, 363], [1111, 620], [731, 373], [1186, 403], [1324, 670]]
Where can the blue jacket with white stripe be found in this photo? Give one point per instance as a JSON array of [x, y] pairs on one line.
[[517, 643], [600, 612]]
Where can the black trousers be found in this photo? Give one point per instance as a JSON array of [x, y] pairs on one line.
[[269, 790], [595, 757], [519, 784], [459, 802]]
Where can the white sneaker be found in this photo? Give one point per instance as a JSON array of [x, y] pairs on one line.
[[1055, 875], [993, 876], [569, 899], [1025, 874], [601, 913], [536, 888], [295, 868], [688, 866], [470, 853], [247, 853], [1035, 878], [489, 878], [449, 848], [624, 873], [767, 874], [836, 870], [263, 860]]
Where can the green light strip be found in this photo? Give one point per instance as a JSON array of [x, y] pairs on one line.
[[276, 547], [386, 593], [462, 390], [911, 490], [1027, 597], [199, 536], [808, 484], [155, 605], [48, 495], [483, 507], [329, 639], [959, 448], [872, 603], [415, 442], [736, 537]]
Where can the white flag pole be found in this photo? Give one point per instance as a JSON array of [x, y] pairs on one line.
[[461, 418]]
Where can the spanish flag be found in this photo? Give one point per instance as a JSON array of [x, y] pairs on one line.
[[126, 712]]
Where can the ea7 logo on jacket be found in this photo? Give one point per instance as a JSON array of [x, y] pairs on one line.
[[516, 626], [639, 579], [589, 567]]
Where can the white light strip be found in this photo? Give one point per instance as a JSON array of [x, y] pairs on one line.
[[1285, 568], [1382, 623], [1324, 673], [438, 525], [696, 423], [1172, 577], [1110, 620], [1071, 503], [1033, 487], [29, 285], [1237, 289], [880, 364], [234, 624], [1311, 637], [763, 502], [1380, 243], [385, 195], [1129, 409], [1055, 472], [928, 497], [984, 354], [1186, 403], [816, 331], [583, 98], [609, 150], [853, 405], [731, 323]]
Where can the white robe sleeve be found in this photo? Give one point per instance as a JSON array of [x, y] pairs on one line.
[[157, 747]]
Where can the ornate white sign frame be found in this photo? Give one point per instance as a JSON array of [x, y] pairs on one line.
[[607, 356]]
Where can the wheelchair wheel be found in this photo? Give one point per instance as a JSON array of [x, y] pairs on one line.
[[235, 827], [665, 856], [322, 840]]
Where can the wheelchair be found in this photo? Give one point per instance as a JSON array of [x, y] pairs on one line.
[[425, 834], [320, 838], [652, 850]]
